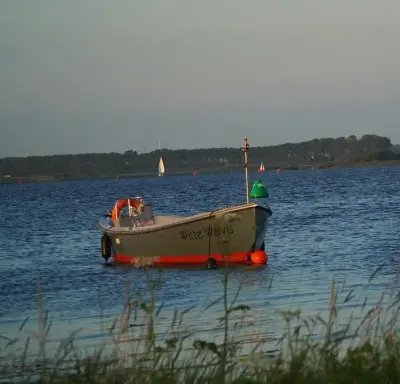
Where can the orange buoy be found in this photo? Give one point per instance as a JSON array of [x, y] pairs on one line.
[[259, 257]]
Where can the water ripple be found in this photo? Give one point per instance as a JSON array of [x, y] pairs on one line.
[[327, 224]]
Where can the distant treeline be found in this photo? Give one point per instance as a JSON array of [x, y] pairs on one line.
[[290, 155]]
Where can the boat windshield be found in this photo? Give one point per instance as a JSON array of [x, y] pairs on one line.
[[133, 211], [125, 212], [144, 218]]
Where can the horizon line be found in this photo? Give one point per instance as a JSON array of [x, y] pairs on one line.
[[195, 149]]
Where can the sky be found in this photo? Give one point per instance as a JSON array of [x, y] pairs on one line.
[[100, 76]]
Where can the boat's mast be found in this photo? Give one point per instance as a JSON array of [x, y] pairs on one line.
[[245, 149]]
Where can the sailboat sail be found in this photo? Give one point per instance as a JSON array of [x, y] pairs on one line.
[[261, 169], [161, 168]]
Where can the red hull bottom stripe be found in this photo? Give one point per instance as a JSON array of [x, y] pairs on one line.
[[257, 257]]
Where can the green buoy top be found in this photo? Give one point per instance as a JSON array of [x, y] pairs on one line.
[[258, 190]]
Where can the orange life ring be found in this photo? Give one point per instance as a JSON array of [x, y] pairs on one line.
[[122, 203]]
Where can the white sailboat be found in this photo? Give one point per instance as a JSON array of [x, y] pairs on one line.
[[161, 168], [261, 169]]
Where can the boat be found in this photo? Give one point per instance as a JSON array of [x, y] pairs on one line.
[[161, 168], [133, 233], [262, 168]]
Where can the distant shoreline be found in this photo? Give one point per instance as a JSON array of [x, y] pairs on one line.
[[224, 170]]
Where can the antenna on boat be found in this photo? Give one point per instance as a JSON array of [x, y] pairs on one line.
[[245, 149]]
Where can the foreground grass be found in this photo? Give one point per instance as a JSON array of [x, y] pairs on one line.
[[367, 353]]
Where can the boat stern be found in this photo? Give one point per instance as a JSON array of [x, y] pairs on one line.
[[257, 253], [262, 215]]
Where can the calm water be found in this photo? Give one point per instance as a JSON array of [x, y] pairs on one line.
[[326, 224]]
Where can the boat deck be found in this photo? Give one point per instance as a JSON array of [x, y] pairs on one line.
[[126, 224]]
